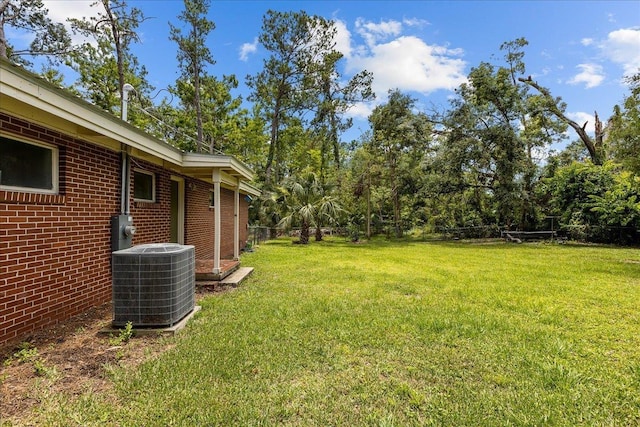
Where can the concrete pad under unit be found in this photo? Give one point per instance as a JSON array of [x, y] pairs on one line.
[[153, 330]]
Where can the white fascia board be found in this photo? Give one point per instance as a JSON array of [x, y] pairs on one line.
[[246, 188], [195, 160], [32, 90]]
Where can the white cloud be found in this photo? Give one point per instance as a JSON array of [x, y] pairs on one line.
[[248, 48], [591, 75], [60, 10], [343, 38], [373, 33], [410, 64], [581, 118], [415, 22], [397, 61], [586, 41], [361, 110], [623, 47]]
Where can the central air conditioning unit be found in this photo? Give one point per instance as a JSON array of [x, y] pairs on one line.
[[153, 284]]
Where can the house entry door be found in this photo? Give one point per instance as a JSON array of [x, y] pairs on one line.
[[177, 210]]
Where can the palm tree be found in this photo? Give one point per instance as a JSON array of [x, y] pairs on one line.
[[306, 205]]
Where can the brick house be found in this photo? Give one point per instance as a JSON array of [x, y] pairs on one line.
[[62, 167]]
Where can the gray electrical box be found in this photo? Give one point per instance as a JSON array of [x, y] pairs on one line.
[[122, 231]]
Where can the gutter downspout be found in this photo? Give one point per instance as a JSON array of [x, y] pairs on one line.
[[125, 191]]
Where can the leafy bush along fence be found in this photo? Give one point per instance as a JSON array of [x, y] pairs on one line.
[[475, 232], [577, 232], [602, 234], [595, 203]]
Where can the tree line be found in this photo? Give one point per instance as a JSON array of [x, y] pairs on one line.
[[476, 166]]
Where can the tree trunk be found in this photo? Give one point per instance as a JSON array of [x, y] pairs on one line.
[[594, 146], [318, 233], [198, 107], [275, 122], [117, 41], [396, 214], [397, 227], [369, 203], [304, 233]]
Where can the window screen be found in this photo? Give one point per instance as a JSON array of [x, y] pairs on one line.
[[144, 186], [27, 166]]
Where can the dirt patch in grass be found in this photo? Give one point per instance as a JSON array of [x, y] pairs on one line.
[[70, 358]]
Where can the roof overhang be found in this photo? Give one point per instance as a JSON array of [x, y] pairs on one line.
[[28, 96], [199, 164], [246, 188]]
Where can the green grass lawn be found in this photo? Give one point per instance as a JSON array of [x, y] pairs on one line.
[[398, 334]]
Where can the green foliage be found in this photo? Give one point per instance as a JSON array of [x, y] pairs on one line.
[[42, 370], [596, 203], [484, 170], [334, 99], [29, 354], [105, 65], [624, 137], [573, 152], [123, 336], [473, 166], [307, 203], [299, 76], [50, 39], [400, 141], [193, 58], [193, 53]]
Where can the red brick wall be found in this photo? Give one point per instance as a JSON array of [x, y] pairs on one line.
[[244, 221], [226, 223], [199, 218], [152, 220], [55, 249]]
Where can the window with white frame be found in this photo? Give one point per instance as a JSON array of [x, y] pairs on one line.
[[144, 186], [212, 203], [28, 166]]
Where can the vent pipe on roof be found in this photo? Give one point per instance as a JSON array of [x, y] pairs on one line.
[[125, 100]]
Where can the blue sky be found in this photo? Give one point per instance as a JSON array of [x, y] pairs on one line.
[[580, 50]]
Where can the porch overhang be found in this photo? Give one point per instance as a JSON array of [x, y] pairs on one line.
[[201, 165]]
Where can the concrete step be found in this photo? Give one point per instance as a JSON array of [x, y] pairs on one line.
[[235, 278]]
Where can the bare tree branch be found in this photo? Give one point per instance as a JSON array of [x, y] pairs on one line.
[[595, 147]]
